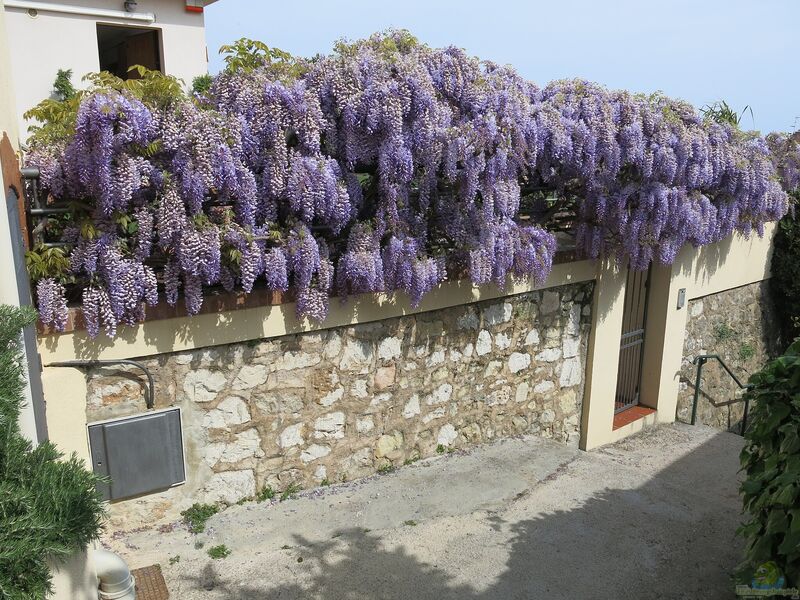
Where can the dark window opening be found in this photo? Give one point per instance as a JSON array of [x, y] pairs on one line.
[[121, 48]]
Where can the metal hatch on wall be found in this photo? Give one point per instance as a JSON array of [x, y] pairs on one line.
[[140, 454]]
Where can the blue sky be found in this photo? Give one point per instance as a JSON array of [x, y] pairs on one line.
[[746, 52]]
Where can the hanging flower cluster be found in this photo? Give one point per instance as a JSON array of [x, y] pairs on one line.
[[384, 166]]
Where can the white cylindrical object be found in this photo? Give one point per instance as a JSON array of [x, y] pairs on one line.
[[114, 576], [80, 10]]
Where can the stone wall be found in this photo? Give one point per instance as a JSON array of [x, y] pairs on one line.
[[343, 403], [740, 325]]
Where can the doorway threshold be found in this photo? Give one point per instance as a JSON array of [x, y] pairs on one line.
[[626, 417]]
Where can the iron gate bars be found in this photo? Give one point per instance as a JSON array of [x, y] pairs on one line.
[[631, 349]]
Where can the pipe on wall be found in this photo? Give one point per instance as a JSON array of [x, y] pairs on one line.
[[80, 10], [115, 581]]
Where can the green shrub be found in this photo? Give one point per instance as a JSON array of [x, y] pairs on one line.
[[218, 552], [197, 515], [771, 463], [49, 508], [785, 280], [202, 83]]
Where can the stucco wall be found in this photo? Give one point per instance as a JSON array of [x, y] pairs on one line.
[[739, 325], [51, 41], [731, 263]]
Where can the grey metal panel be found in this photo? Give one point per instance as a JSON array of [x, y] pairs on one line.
[[140, 454]]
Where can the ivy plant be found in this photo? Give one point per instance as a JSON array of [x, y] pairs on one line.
[[771, 463]]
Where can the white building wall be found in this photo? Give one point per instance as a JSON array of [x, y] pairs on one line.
[[42, 45]]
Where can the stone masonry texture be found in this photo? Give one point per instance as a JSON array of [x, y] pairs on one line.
[[344, 403], [740, 325]]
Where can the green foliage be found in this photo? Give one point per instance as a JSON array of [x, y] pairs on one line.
[[153, 88], [723, 332], [49, 506], [266, 493], [388, 44], [771, 463], [325, 482], [720, 112], [746, 351], [246, 56], [197, 515], [202, 83], [440, 449], [55, 118], [785, 280], [62, 86], [410, 523], [290, 491], [43, 262], [386, 469], [218, 552], [174, 559]]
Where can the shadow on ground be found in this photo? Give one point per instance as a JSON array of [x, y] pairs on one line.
[[665, 539]]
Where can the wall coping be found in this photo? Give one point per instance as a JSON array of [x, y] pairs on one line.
[[232, 318], [218, 301]]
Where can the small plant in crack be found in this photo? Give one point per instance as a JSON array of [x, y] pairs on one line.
[[266, 493], [723, 332], [386, 469], [197, 515], [746, 351], [218, 552], [440, 449], [290, 491]]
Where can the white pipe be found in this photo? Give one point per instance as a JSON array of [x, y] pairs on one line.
[[81, 10], [114, 577]]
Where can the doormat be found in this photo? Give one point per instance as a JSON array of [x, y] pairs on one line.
[[150, 584]]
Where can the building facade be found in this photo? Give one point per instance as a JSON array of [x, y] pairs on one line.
[[88, 36]]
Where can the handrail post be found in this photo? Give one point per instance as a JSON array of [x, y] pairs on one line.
[[744, 416], [700, 360]]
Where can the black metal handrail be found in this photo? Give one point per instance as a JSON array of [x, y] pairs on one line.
[[149, 392], [700, 361]]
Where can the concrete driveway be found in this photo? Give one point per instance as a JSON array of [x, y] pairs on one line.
[[650, 517]]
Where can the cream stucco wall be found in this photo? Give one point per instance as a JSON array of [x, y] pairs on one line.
[[734, 262], [602, 356], [9, 293], [51, 41]]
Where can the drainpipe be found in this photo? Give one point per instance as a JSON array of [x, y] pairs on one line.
[[115, 581], [80, 10]]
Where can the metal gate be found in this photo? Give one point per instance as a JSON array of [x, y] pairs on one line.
[[631, 350]]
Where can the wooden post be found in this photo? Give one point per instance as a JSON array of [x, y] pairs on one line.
[[9, 163]]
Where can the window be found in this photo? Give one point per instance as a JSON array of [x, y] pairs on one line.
[[123, 47]]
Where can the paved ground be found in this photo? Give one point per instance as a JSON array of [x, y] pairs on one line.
[[650, 517]]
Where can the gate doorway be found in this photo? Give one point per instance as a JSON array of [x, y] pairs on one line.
[[631, 349]]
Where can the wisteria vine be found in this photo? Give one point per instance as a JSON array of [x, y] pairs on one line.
[[387, 165]]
